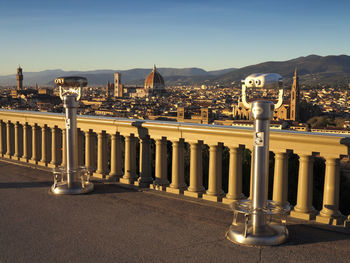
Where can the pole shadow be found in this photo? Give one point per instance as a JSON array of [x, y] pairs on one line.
[[302, 234], [12, 185]]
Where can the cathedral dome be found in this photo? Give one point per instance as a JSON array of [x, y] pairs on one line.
[[154, 82]]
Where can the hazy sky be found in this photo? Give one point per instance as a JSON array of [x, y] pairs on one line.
[[113, 34]]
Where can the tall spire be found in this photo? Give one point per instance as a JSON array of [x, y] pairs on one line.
[[296, 73], [295, 98]]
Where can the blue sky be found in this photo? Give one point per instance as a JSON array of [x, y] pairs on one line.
[[106, 34]]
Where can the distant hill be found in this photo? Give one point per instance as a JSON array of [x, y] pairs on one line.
[[100, 77], [313, 70]]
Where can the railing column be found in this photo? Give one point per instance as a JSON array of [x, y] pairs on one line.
[[43, 160], [105, 153], [64, 148], [25, 155], [161, 181], [80, 147], [214, 192], [133, 155], [219, 170], [177, 185], [251, 174], [2, 151], [101, 169], [116, 158], [53, 162], [280, 178], [195, 188], [235, 176], [8, 140], [129, 177], [304, 209], [34, 159], [330, 213], [16, 154], [145, 178], [88, 149]]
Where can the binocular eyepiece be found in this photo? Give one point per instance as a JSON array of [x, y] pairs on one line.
[[267, 81], [71, 81]]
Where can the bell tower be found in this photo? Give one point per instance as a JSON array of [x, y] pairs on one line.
[[118, 87], [19, 78], [295, 98]]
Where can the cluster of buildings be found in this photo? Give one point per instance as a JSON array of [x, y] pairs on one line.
[[154, 86], [196, 104]]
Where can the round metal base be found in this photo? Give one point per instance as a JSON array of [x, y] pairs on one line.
[[62, 189], [269, 235]]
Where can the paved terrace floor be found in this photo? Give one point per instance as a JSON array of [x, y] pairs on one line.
[[117, 223]]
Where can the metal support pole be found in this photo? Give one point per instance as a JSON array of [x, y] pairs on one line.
[[71, 105], [262, 114]]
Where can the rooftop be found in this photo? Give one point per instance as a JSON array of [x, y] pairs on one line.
[[127, 224]]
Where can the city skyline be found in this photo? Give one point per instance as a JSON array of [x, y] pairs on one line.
[[89, 35]]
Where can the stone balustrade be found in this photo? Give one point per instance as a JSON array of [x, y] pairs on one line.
[[111, 147]]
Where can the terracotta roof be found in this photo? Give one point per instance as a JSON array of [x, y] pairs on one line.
[[153, 79]]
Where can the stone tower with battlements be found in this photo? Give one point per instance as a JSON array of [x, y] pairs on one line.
[[19, 78]]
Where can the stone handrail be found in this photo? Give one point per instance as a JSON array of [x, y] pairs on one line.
[[36, 137]]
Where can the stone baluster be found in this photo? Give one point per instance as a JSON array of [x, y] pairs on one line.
[[133, 155], [34, 158], [101, 168], [145, 178], [94, 151], [177, 185], [165, 162], [64, 148], [195, 188], [2, 151], [116, 158], [161, 181], [25, 155], [16, 154], [220, 191], [88, 150], [214, 192], [53, 163], [280, 178], [43, 160], [251, 174], [330, 213], [235, 176], [129, 177], [304, 209], [200, 164], [8, 140], [106, 153], [80, 147]]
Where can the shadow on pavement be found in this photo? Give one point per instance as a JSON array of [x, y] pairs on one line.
[[11, 185], [302, 234], [101, 188]]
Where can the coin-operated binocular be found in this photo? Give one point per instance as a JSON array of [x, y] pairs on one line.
[[71, 179], [252, 223]]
